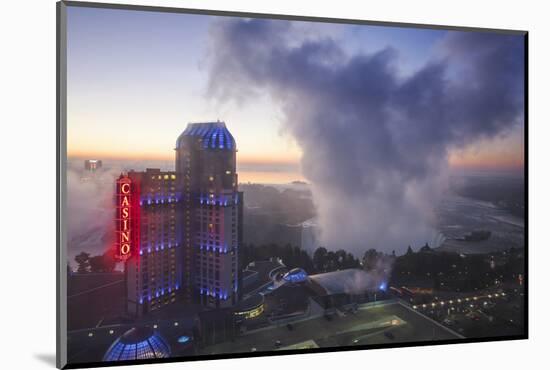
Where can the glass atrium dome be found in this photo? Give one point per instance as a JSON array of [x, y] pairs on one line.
[[214, 135], [137, 344]]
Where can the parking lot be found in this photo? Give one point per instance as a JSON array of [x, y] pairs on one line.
[[390, 323]]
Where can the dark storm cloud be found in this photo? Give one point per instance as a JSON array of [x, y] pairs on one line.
[[375, 146]]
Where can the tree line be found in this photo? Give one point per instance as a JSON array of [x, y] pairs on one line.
[[322, 260], [448, 270], [101, 263]]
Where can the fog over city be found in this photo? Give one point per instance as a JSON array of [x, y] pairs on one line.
[[375, 144], [90, 225]]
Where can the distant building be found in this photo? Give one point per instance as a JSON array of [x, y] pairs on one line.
[[92, 165]]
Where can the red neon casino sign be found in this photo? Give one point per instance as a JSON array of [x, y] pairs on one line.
[[124, 218]]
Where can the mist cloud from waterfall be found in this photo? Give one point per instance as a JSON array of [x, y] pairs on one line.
[[375, 144]]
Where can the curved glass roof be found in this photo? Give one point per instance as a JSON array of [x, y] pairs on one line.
[[214, 135], [137, 344], [296, 275]]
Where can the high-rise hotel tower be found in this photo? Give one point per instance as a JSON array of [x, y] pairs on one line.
[[149, 238], [211, 213], [179, 231]]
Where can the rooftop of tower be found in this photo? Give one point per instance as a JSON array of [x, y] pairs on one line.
[[214, 135]]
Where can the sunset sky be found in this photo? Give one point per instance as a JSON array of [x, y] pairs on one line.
[[135, 79]]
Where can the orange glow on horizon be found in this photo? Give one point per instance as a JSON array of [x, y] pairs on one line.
[[487, 161], [489, 155], [122, 155], [242, 160], [266, 177]]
